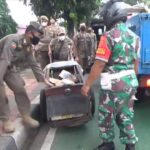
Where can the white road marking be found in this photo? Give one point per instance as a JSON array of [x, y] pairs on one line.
[[49, 139]]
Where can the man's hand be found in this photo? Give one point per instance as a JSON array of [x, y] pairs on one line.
[[47, 82], [85, 90]]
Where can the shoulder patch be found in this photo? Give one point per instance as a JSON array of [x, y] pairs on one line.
[[103, 51]]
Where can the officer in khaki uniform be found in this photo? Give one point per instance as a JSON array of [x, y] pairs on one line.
[[50, 32], [60, 47], [83, 47], [94, 41], [52, 29], [12, 48], [42, 47]]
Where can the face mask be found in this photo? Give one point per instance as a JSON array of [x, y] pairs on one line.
[[62, 37], [34, 40], [44, 24]]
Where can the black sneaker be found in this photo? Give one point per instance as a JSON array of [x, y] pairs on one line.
[[106, 146], [130, 147]]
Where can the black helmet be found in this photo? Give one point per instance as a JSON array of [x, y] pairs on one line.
[[114, 11], [36, 26]]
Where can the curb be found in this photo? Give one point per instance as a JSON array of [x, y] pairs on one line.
[[17, 139]]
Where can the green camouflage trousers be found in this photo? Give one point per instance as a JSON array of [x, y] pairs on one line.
[[117, 107]]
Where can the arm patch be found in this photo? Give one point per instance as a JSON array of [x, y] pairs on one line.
[[103, 52]]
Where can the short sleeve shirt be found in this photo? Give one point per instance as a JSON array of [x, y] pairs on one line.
[[118, 47]]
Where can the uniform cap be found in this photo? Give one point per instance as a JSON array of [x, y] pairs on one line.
[[82, 24], [37, 26], [44, 18], [62, 31], [90, 29], [52, 21]]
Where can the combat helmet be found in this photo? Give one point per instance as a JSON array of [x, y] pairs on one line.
[[36, 26], [114, 11]]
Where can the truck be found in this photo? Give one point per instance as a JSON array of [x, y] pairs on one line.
[[140, 24]]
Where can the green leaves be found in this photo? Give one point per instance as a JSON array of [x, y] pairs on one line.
[[73, 11], [77, 10], [7, 24]]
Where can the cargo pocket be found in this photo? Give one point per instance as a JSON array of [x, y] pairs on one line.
[[105, 82]]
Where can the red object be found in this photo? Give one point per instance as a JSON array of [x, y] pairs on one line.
[[144, 81], [103, 51]]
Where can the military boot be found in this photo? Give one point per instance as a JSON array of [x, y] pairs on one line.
[[130, 147], [8, 126], [29, 121], [106, 146]]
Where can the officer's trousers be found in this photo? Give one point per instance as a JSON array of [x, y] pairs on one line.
[[14, 81], [117, 107], [84, 63], [43, 58]]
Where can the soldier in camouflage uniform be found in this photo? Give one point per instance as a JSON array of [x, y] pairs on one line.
[[83, 47], [61, 47], [116, 63], [16, 47]]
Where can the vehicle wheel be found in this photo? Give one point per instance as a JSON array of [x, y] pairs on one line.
[[43, 106], [92, 101], [140, 93]]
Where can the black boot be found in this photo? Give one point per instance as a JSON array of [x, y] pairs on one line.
[[130, 147], [106, 146]]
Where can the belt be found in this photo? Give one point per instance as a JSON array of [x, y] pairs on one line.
[[117, 75]]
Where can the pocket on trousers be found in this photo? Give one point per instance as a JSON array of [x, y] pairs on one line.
[[105, 82]]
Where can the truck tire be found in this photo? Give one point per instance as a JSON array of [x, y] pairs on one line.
[[43, 106], [140, 94]]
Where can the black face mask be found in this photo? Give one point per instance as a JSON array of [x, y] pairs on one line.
[[34, 40]]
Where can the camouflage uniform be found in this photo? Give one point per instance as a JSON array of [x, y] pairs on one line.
[[118, 48], [61, 50], [14, 48], [83, 48]]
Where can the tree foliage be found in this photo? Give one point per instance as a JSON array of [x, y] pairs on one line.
[[7, 24], [133, 2], [78, 9], [73, 11]]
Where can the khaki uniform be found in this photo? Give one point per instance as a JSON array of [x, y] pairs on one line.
[[61, 50], [83, 48], [13, 48], [94, 43], [50, 32]]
